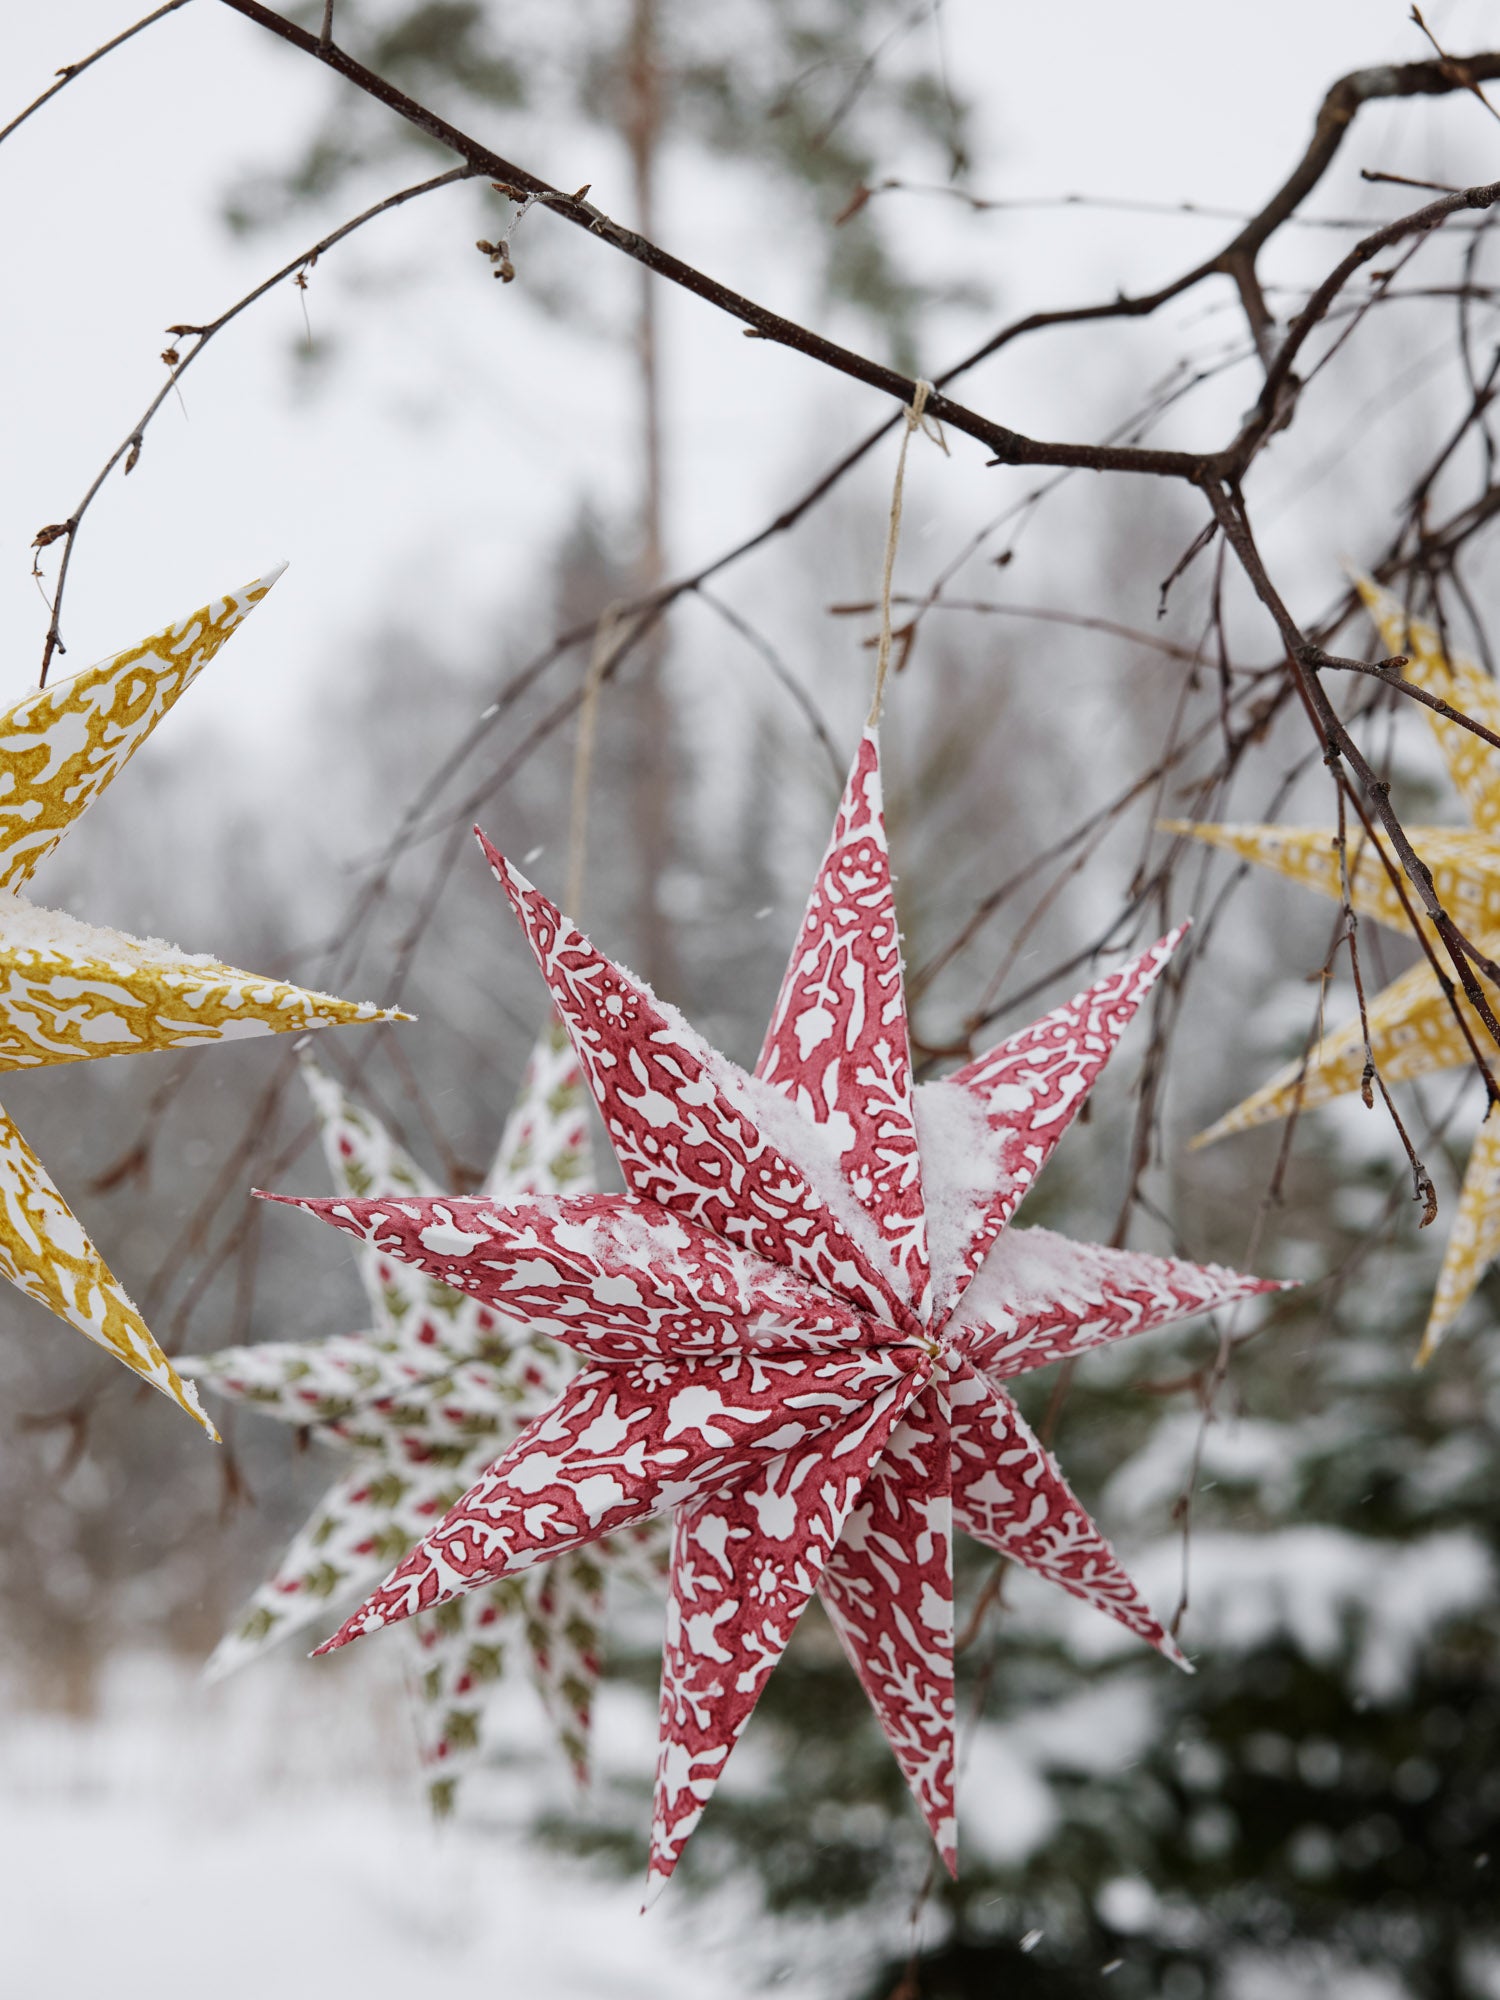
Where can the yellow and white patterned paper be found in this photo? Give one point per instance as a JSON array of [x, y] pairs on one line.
[[1413, 1030], [45, 1252], [72, 991], [62, 745], [1465, 866]]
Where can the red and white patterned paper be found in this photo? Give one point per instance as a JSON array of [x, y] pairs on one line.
[[1032, 1085], [796, 1326], [838, 1044], [888, 1592], [681, 1120]]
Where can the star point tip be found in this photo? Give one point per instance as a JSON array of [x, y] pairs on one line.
[[501, 867], [186, 1397], [1172, 938], [269, 576], [286, 1200], [214, 1669], [359, 1625], [655, 1883]]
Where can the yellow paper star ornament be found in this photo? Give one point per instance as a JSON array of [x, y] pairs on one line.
[[1413, 1029], [72, 991]]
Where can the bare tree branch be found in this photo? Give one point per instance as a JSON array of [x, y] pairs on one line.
[[1010, 447]]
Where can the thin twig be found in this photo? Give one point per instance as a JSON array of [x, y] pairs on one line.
[[129, 449], [1389, 673], [66, 75], [1421, 1180], [761, 645], [1302, 657], [1461, 72]]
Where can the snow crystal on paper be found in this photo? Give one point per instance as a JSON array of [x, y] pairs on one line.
[[962, 1170], [26, 929], [812, 1147]]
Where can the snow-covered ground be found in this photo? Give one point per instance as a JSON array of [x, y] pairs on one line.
[[262, 1837], [264, 1840]]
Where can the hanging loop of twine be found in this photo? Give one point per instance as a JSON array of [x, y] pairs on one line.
[[609, 643], [915, 420]]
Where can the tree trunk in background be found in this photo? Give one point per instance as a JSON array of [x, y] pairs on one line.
[[653, 775]]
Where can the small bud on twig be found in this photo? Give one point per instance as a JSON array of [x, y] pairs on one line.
[[499, 255], [1426, 1193]]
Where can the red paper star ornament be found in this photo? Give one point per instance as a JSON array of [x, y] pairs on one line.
[[798, 1324]]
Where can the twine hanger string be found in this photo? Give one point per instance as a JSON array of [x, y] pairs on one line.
[[915, 420], [610, 642]]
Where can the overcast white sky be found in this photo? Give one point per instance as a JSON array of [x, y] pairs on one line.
[[463, 428]]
